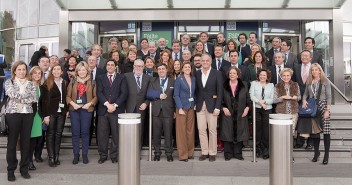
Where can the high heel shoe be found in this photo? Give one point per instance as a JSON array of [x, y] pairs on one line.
[[325, 160], [315, 158]]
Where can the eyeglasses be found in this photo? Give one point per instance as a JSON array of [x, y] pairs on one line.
[[140, 66]]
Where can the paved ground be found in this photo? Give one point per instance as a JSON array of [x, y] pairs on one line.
[[194, 172]]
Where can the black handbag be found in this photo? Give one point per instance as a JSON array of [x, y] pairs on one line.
[[312, 107]]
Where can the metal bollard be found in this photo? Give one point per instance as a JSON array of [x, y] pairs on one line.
[[280, 144], [129, 149]]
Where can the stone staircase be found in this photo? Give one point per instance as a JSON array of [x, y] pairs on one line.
[[341, 138]]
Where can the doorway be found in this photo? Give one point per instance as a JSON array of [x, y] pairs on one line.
[[104, 40], [294, 38]]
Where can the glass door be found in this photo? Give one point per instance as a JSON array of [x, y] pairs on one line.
[[294, 38], [104, 40]]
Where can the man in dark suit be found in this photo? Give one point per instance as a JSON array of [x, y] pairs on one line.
[[233, 56], [309, 44], [243, 47], [209, 47], [276, 44], [218, 62], [160, 92], [152, 52], [277, 67], [300, 75], [96, 51], [113, 46], [112, 92], [209, 92], [94, 73], [221, 40], [43, 51], [290, 59], [185, 43], [176, 52], [137, 102], [162, 45], [253, 37]]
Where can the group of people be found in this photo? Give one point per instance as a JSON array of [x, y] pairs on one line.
[[197, 93]]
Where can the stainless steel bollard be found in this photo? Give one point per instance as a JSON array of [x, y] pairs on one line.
[[129, 149], [280, 144]]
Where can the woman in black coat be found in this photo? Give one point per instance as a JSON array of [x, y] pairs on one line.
[[234, 124]]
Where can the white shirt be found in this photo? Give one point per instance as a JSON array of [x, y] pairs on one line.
[[217, 62], [94, 71], [206, 47], [165, 84], [307, 68], [184, 48], [174, 55], [205, 76], [140, 78], [236, 65]]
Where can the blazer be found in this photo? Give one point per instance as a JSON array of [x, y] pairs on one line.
[[158, 50], [117, 93], [317, 58], [141, 55], [296, 77], [49, 100], [272, 69], [270, 56], [156, 56], [253, 72], [245, 51], [91, 94], [244, 72], [2, 66], [135, 98], [183, 92], [223, 64], [12, 90], [212, 93], [99, 72], [324, 95], [256, 94], [291, 60], [190, 49], [102, 63], [210, 47], [153, 94]]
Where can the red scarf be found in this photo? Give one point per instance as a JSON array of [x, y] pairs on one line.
[[81, 87]]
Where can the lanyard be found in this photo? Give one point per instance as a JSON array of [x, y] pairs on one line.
[[315, 89]]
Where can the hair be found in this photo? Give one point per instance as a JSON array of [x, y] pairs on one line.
[[173, 73], [313, 40], [129, 51], [277, 38], [256, 36], [234, 51], [289, 43], [95, 45], [148, 57], [279, 53], [80, 65], [201, 33], [45, 57], [242, 34], [112, 60], [197, 55], [195, 46], [219, 46], [55, 56], [74, 58], [227, 44], [89, 53], [235, 68], [143, 40], [306, 50], [113, 39], [169, 62], [323, 77], [286, 70], [33, 69], [256, 45], [49, 82], [268, 75], [187, 63], [113, 51], [175, 41], [263, 57], [133, 44], [14, 67]]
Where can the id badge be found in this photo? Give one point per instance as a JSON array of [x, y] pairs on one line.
[[79, 101], [190, 99], [61, 105]]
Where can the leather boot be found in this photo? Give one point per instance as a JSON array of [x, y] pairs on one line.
[[56, 159], [51, 161], [75, 159]]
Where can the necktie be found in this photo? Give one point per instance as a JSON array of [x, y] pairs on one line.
[[91, 75], [110, 80], [176, 56], [275, 50], [44, 75], [279, 76], [98, 61], [304, 73], [286, 57], [219, 64], [152, 55], [138, 83]]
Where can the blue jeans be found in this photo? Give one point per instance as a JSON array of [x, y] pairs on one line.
[[80, 124]]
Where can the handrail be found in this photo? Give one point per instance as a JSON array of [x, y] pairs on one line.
[[338, 90], [254, 134], [150, 133]]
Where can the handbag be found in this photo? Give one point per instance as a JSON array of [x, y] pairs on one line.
[[312, 106], [3, 123]]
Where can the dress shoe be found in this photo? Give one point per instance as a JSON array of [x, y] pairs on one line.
[[265, 157], [309, 147], [170, 158], [75, 159], [184, 160], [57, 161], [31, 166], [85, 159], [191, 157], [212, 158], [203, 157], [101, 160], [11, 176], [26, 175], [326, 159], [51, 162], [157, 158], [239, 158], [315, 158], [114, 160], [227, 158], [298, 146], [39, 159]]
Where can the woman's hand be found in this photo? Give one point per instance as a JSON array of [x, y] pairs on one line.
[[181, 112], [86, 106], [245, 112], [326, 114], [75, 106], [226, 111], [46, 120], [304, 104]]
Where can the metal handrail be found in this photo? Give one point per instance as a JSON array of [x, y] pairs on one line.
[[338, 91], [150, 133], [254, 134]]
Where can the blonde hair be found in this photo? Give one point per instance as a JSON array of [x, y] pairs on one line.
[[310, 78], [33, 69], [286, 70], [80, 65]]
